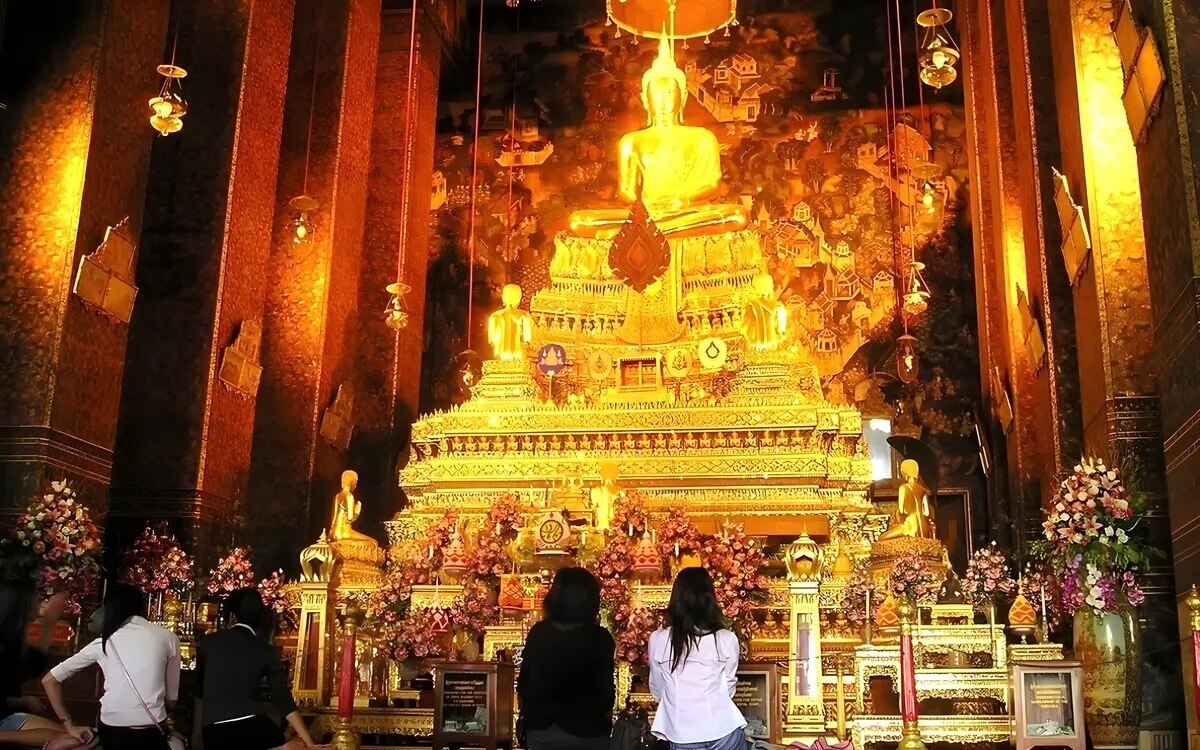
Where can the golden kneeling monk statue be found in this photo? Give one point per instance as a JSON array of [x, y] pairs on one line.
[[345, 512], [764, 318], [510, 328], [914, 514], [672, 168]]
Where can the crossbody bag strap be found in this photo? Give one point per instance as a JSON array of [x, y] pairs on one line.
[[145, 708]]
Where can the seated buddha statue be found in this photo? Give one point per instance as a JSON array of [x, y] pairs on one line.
[[510, 328], [345, 512], [914, 514], [764, 318], [672, 168]]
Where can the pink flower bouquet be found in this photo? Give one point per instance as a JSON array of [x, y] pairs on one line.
[[233, 572], [56, 536], [156, 563], [988, 577]]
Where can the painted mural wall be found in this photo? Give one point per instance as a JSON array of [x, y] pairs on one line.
[[797, 101]]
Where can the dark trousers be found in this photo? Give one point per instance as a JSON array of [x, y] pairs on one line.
[[254, 733], [132, 738], [554, 738]]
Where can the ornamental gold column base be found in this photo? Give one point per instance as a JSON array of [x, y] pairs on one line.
[[344, 735], [910, 737]]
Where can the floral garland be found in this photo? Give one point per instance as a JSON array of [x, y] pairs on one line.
[[987, 578], [734, 561], [491, 556], [634, 625], [56, 537], [233, 572], [854, 598], [1092, 540], [156, 563], [281, 598], [911, 576], [475, 608]]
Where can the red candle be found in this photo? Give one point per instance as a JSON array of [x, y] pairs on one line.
[[346, 687], [1196, 670], [908, 679]]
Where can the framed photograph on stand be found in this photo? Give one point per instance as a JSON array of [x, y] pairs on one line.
[[1048, 705]]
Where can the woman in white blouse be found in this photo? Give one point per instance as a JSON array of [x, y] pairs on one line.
[[140, 662], [693, 670]]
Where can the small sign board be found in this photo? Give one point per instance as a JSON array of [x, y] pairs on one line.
[[1048, 704], [757, 697], [473, 705]]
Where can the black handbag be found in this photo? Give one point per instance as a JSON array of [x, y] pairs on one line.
[[631, 731]]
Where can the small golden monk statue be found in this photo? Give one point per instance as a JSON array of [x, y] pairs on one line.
[[604, 497], [914, 514], [764, 318], [672, 168], [346, 511], [510, 328]]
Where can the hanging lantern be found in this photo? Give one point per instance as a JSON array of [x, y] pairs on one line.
[[302, 228], [168, 108], [916, 293], [680, 20], [939, 54], [907, 362], [396, 314]]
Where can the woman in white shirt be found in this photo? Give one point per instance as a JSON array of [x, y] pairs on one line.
[[140, 662], [693, 670]]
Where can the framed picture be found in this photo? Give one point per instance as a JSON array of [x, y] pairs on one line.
[[1048, 704], [473, 705], [757, 697]]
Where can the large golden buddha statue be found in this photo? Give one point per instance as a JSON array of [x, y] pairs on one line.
[[345, 512], [510, 328], [672, 168]]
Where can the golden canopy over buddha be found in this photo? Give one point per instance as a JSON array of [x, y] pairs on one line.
[[672, 168]]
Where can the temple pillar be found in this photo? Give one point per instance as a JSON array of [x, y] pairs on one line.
[[1170, 188], [183, 443], [395, 249], [75, 143], [1114, 324], [1034, 411], [309, 340]]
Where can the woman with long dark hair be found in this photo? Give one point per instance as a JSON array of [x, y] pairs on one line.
[[230, 670], [566, 684], [21, 661], [140, 663], [693, 670]]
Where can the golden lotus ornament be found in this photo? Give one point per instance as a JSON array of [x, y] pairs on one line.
[[168, 108]]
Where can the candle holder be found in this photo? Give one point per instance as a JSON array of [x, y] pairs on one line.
[[910, 732]]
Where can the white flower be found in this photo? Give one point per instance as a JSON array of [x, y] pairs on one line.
[[1108, 531]]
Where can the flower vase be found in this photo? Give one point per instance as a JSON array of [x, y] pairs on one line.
[[1109, 646]]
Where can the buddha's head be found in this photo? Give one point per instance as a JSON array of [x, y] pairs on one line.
[[511, 295], [349, 480], [664, 88], [764, 285], [910, 469]]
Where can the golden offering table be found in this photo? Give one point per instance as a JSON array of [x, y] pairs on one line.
[[959, 730], [398, 722]]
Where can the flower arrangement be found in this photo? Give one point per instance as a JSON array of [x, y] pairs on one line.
[[734, 561], [911, 576], [1092, 541], [280, 598], [1040, 583], [55, 537], [475, 608], [491, 556], [634, 625], [420, 635], [988, 577], [854, 598], [630, 515], [156, 563], [233, 572], [677, 535]]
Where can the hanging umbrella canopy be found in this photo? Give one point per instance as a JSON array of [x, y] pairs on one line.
[[682, 19], [910, 447]]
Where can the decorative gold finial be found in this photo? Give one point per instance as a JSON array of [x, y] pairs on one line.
[[1193, 602]]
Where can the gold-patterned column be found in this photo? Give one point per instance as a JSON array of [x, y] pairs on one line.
[[396, 249], [309, 344], [1114, 315], [187, 410], [74, 154]]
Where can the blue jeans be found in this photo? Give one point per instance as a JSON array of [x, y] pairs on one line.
[[735, 740], [13, 722]]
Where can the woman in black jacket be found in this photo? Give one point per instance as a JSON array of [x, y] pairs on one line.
[[230, 670], [566, 684]]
